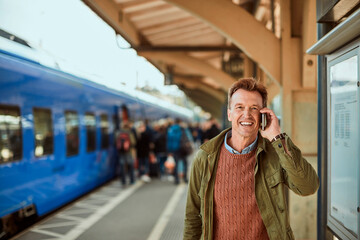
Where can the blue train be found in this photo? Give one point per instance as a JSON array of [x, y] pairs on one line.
[[56, 134]]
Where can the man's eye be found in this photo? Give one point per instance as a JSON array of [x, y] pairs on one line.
[[254, 108]]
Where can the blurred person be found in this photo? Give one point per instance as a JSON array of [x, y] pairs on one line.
[[133, 149], [153, 164], [174, 140], [237, 180], [143, 151], [197, 133], [150, 131], [212, 130], [125, 144], [204, 127], [160, 149]]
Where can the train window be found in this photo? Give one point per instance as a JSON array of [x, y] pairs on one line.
[[10, 134], [104, 124], [90, 123], [44, 137], [72, 133]]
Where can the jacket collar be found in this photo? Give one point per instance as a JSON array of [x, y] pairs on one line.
[[261, 144]]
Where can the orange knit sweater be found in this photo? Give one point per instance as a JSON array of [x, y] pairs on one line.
[[236, 214]]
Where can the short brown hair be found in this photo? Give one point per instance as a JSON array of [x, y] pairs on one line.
[[248, 84]]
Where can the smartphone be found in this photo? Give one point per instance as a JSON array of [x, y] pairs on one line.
[[263, 121]]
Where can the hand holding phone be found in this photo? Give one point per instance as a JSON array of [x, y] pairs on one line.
[[269, 124]]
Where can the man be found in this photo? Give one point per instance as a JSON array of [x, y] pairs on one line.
[[236, 188]]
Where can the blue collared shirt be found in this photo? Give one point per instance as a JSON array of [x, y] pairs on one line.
[[245, 150]]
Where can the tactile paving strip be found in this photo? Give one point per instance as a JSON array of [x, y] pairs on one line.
[[56, 227], [175, 226]]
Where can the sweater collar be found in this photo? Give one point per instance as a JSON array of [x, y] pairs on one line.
[[245, 150]]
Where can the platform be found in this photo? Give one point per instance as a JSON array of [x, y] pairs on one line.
[[150, 211]]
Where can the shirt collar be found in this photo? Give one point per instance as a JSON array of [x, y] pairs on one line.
[[245, 150]]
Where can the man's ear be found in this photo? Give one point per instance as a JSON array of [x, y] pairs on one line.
[[228, 114]]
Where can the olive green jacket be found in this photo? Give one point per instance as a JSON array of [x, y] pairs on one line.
[[274, 169]]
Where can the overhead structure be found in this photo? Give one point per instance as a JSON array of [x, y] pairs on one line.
[[211, 43], [186, 38]]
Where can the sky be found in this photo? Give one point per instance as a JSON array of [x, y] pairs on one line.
[[80, 42]]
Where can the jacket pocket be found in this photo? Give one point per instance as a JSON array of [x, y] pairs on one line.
[[276, 178], [275, 183]]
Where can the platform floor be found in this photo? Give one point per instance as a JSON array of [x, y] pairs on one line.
[[150, 211]]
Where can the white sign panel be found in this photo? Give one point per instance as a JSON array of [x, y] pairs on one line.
[[344, 143]]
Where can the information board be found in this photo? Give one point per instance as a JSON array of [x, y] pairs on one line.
[[344, 144]]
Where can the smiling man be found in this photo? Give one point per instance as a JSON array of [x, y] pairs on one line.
[[236, 188]]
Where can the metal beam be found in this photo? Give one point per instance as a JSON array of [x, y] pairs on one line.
[[204, 100], [195, 65], [186, 48], [241, 28], [191, 84], [110, 13]]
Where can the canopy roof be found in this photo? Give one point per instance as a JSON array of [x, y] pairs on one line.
[[189, 44]]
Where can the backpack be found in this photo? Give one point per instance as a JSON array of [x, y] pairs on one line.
[[174, 138], [123, 142]]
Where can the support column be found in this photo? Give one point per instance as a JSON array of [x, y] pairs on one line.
[[290, 67], [309, 63], [299, 107]]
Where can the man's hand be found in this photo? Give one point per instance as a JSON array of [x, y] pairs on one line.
[[272, 128]]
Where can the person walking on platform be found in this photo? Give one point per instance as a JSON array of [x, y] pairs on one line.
[[143, 151], [175, 134], [160, 149], [125, 144], [236, 188], [197, 135]]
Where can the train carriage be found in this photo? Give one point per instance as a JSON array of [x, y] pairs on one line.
[[56, 134]]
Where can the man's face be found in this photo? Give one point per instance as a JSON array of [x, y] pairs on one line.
[[244, 113]]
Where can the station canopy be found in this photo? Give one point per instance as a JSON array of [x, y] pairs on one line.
[[183, 40]]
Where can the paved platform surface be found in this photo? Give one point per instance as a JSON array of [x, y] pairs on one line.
[[149, 211]]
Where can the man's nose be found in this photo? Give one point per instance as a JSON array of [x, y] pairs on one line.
[[247, 112]]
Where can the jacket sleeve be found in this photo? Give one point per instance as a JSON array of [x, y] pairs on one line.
[[299, 175], [193, 222]]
